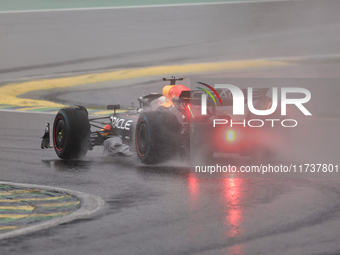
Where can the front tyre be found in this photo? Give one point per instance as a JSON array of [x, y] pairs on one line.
[[71, 133]]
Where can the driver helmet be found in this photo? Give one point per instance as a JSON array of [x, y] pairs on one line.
[[171, 91]]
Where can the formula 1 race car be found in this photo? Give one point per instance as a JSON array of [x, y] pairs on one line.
[[164, 125]]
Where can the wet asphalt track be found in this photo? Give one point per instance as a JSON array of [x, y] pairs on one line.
[[160, 210], [63, 42]]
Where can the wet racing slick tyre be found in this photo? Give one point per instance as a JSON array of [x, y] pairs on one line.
[[80, 107], [71, 133], [157, 136]]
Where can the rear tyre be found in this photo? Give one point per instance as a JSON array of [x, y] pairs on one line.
[[71, 133], [157, 136]]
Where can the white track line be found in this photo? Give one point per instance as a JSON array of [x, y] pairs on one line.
[[89, 204], [144, 6]]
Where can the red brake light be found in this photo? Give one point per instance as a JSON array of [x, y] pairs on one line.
[[188, 106], [230, 135]]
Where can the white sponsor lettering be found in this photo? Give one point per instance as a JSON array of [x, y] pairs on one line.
[[121, 123]]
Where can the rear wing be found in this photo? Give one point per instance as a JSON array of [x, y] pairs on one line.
[[194, 96]]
